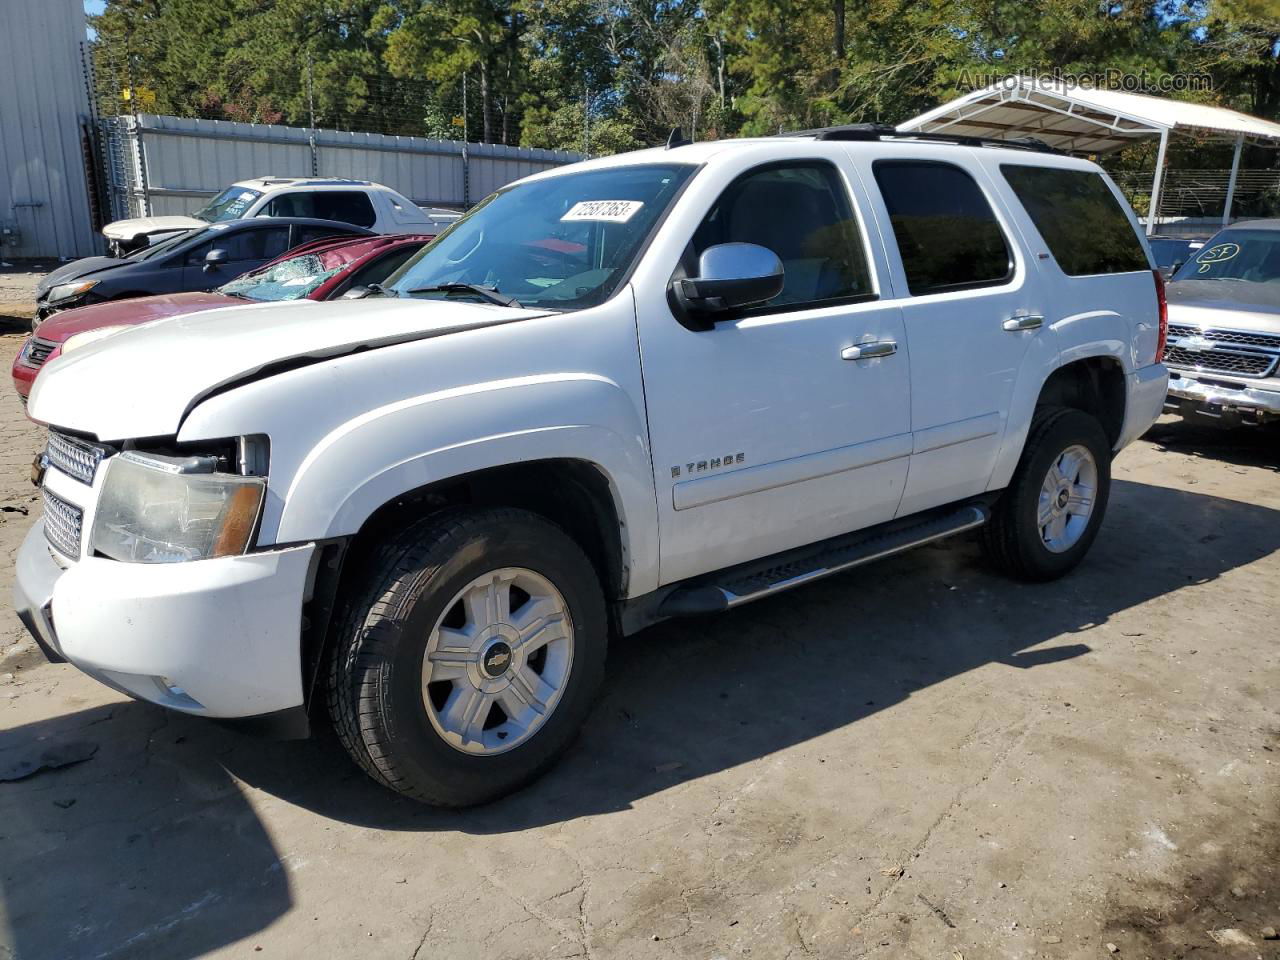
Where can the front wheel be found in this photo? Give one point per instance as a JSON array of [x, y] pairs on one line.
[[1047, 519], [471, 657]]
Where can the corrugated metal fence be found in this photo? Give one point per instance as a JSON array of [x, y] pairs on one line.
[[168, 165], [44, 131]]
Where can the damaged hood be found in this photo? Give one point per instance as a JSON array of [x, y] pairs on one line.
[[1231, 304], [142, 380], [128, 229]]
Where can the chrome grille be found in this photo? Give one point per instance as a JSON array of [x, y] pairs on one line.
[[38, 351], [1244, 338], [1240, 353], [62, 525], [1221, 361], [75, 458]]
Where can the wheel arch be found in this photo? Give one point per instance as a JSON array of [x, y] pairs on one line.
[[575, 494], [1093, 382]]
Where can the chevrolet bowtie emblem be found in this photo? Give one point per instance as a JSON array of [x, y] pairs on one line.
[[1195, 344]]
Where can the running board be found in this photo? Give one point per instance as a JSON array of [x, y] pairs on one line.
[[742, 584]]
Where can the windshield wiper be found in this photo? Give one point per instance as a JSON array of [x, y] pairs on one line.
[[486, 293]]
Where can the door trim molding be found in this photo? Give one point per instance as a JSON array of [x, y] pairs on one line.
[[780, 473], [958, 431]]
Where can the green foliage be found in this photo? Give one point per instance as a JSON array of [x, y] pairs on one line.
[[608, 75]]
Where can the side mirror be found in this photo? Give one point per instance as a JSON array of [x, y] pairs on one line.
[[214, 259], [356, 293], [731, 276]]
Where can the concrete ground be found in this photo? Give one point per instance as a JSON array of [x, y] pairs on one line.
[[916, 759]]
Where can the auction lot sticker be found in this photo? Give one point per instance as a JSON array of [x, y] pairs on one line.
[[608, 211]]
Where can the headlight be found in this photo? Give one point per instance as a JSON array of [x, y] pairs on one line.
[[157, 509], [89, 336], [65, 291]]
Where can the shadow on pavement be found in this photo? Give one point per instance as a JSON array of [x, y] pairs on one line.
[[1243, 446], [161, 825], [149, 849]]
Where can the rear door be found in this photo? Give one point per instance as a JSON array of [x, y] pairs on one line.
[[970, 308], [767, 432]]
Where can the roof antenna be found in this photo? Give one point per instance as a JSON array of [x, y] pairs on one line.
[[677, 139]]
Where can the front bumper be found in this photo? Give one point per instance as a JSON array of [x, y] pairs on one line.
[[1213, 399], [216, 638]]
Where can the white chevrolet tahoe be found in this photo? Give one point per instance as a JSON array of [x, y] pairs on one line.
[[645, 386]]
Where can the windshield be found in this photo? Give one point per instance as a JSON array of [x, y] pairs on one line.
[[1249, 255], [562, 243], [289, 279], [230, 204]]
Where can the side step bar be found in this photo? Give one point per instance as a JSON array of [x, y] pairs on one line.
[[738, 585]]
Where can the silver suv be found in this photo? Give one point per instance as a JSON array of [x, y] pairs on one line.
[[1223, 349]]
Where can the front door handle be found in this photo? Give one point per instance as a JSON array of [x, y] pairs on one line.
[[1025, 322], [869, 351]]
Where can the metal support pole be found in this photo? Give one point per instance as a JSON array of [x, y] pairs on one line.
[[466, 160], [311, 118], [1153, 210], [1231, 181]]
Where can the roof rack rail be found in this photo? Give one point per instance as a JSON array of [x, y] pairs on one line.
[[878, 131]]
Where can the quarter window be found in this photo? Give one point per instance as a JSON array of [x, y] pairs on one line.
[[1079, 218], [801, 212], [946, 231]]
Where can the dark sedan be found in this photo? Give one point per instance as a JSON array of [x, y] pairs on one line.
[[197, 260]]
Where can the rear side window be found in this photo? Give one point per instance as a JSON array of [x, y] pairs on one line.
[[946, 231], [345, 207], [1079, 218]]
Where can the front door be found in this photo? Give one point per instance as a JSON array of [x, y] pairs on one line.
[[767, 430], [247, 248]]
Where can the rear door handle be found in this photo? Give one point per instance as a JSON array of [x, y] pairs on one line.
[[869, 351], [1027, 322]]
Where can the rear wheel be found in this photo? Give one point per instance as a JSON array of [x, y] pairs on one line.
[[471, 658], [1047, 519]]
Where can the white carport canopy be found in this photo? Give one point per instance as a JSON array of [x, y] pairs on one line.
[[1081, 120]]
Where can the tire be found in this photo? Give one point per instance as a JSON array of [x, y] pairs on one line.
[[437, 741], [1016, 542]]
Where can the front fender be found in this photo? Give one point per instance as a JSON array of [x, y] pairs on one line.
[[393, 449]]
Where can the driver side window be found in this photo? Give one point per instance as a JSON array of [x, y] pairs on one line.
[[801, 212]]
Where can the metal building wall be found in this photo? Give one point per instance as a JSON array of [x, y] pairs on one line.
[[188, 160], [44, 198]]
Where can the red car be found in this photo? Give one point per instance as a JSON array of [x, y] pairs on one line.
[[320, 270]]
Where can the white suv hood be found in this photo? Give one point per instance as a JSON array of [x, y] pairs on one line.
[[128, 229], [142, 381]]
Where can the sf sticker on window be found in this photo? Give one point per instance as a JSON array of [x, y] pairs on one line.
[[607, 211], [1216, 254]]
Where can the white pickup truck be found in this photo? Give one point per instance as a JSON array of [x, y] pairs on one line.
[[652, 385]]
